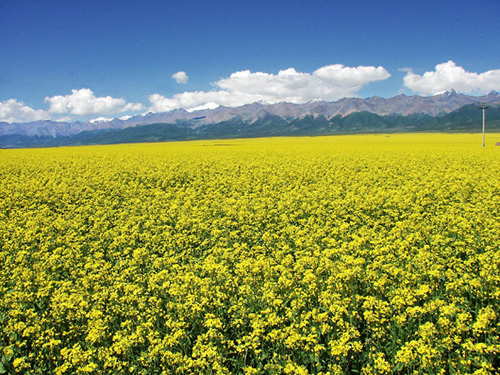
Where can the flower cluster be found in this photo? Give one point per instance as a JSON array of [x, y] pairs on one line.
[[329, 255]]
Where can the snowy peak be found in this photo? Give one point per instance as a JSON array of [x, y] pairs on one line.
[[450, 93], [100, 120], [492, 96]]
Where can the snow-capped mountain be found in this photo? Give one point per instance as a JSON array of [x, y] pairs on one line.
[[401, 104], [223, 118]]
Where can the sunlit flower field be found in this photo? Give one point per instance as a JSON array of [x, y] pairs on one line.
[[370, 254]]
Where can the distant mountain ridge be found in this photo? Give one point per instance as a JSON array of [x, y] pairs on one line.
[[349, 115]]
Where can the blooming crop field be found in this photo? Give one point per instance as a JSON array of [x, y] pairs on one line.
[[370, 254]]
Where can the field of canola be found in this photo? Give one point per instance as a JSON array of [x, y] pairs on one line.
[[331, 255]]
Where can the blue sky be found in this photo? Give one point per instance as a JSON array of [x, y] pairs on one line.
[[76, 60]]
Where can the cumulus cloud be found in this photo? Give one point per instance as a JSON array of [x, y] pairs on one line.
[[14, 111], [83, 102], [447, 76], [80, 103], [328, 83], [180, 77]]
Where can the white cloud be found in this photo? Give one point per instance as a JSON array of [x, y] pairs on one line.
[[13, 111], [180, 77], [83, 102], [447, 76], [329, 83]]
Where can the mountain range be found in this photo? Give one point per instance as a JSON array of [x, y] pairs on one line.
[[450, 111]]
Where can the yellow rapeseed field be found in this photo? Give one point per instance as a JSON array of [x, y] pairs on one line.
[[370, 254]]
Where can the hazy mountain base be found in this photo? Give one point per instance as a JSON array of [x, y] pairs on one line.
[[465, 119]]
